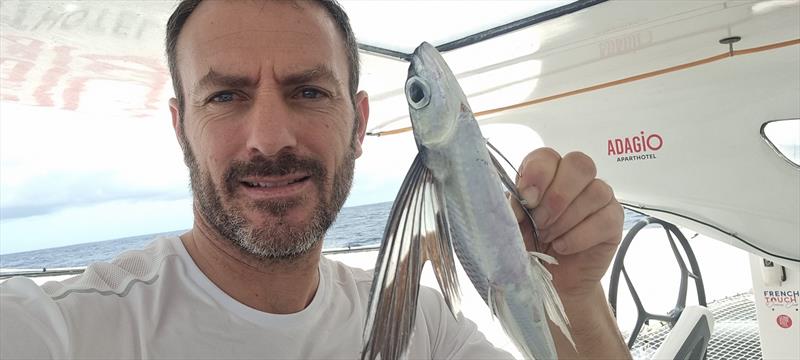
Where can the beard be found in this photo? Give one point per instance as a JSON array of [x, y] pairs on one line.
[[274, 238]]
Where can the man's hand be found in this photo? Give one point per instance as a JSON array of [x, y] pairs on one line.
[[580, 224], [579, 220]]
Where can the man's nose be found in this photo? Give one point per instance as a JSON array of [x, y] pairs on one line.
[[270, 127]]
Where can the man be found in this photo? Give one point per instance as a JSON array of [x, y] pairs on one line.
[[270, 122]]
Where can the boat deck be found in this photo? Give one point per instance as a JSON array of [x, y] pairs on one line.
[[735, 334]]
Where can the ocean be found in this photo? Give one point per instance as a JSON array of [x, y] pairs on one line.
[[357, 226]]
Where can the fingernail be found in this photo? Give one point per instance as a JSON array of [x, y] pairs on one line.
[[541, 216], [531, 195], [560, 246]]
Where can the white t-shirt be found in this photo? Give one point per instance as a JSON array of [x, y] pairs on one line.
[[156, 303]]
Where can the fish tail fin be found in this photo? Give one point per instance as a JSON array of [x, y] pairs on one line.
[[530, 334], [552, 302]]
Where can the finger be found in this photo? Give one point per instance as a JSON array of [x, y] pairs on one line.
[[527, 237], [575, 171], [604, 226], [519, 213], [524, 224], [536, 173], [593, 198]]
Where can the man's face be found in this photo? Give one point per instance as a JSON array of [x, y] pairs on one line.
[[269, 132]]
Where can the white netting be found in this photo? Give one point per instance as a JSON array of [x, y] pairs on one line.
[[735, 333]]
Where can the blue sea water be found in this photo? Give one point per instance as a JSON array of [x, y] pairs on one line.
[[357, 226]]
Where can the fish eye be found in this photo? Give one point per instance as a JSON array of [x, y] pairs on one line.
[[417, 93]]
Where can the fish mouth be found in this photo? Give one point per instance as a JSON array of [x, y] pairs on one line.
[[412, 69], [424, 47], [417, 57]]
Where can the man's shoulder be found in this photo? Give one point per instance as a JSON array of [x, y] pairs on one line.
[[118, 275], [430, 299], [341, 271]]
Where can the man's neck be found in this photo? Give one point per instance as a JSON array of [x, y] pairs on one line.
[[277, 287]]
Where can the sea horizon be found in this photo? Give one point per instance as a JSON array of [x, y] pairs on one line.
[[153, 235], [355, 226]]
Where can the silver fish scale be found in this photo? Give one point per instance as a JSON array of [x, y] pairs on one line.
[[486, 238], [476, 273]]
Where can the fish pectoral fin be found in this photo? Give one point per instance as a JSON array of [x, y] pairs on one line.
[[512, 190], [552, 302], [544, 257], [439, 246], [490, 300], [392, 306]]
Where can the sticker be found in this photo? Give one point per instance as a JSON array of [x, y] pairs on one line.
[[641, 147], [784, 321], [784, 298]]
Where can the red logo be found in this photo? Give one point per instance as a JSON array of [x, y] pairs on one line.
[[784, 321], [635, 144], [641, 147]]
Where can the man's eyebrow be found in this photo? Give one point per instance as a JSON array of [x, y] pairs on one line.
[[317, 73], [213, 78]]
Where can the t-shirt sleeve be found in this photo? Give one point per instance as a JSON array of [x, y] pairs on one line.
[[31, 323], [455, 338]]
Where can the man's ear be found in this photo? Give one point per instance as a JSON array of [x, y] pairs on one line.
[[362, 116], [175, 110]]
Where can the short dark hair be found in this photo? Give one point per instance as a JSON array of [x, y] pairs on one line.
[[186, 7]]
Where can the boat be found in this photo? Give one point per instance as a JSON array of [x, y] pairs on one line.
[[690, 110]]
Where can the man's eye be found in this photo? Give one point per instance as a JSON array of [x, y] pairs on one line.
[[311, 93], [223, 97]]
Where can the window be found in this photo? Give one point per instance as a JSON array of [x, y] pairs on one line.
[[784, 137]]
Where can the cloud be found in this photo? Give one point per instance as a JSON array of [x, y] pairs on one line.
[[53, 191], [52, 159], [97, 222]]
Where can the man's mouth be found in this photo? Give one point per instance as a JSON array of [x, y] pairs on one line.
[[274, 183], [275, 188], [281, 178]]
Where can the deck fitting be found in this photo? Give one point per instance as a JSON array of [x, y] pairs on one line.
[[730, 40]]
